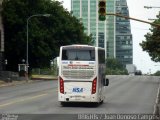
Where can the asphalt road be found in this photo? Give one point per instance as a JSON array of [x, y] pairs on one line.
[[124, 95]]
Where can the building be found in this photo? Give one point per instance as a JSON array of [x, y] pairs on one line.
[[87, 12], [111, 28], [106, 33], [124, 47]]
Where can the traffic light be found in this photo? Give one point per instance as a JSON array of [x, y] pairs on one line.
[[102, 10]]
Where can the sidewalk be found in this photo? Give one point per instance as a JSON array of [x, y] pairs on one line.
[[14, 82], [34, 78]]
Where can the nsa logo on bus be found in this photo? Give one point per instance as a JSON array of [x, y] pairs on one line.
[[77, 90]]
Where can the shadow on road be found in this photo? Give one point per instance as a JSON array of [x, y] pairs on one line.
[[81, 104]]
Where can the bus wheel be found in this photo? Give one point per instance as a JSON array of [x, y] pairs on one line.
[[95, 104], [62, 104], [101, 102]]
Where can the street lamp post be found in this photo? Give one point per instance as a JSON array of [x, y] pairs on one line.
[[150, 7], [151, 19], [36, 15]]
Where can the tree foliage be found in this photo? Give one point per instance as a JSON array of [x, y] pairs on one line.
[[114, 67], [152, 42], [157, 73], [45, 35]]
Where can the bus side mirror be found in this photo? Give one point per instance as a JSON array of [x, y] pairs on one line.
[[106, 82]]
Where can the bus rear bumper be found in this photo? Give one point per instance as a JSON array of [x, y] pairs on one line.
[[78, 98]]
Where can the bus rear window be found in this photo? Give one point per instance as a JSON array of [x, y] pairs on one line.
[[79, 55]]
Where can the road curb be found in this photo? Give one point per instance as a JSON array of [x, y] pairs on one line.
[[157, 104], [44, 78], [14, 83], [36, 79]]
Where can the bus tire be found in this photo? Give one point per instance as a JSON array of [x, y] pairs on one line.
[[62, 104], [95, 104], [101, 102]]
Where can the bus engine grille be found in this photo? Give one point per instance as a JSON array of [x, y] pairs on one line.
[[78, 74]]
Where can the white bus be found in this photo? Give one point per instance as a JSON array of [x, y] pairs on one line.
[[81, 74]]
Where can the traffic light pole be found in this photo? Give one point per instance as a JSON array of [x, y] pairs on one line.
[[127, 17]]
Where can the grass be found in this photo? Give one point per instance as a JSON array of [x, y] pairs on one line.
[[2, 82]]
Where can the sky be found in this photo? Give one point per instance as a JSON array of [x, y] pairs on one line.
[[136, 9]]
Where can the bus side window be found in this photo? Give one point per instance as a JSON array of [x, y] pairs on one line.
[[64, 55]]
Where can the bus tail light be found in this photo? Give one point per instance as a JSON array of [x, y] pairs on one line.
[[61, 84], [94, 86]]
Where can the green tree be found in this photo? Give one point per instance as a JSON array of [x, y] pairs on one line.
[[157, 73], [114, 67], [46, 35], [152, 42]]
